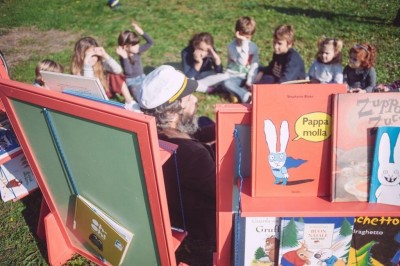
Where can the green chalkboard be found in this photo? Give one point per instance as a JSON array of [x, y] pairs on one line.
[[106, 164]]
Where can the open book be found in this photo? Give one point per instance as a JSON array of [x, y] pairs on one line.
[[83, 85], [100, 233], [8, 141], [17, 179]]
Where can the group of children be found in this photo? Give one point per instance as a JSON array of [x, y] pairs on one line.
[[201, 62], [91, 60]]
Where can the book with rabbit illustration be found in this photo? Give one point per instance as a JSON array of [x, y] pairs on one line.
[[261, 241], [315, 240], [291, 139], [375, 241], [385, 176], [356, 119]]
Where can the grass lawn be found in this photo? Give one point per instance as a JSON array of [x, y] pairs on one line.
[[34, 30]]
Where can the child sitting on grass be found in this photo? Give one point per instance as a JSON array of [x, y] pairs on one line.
[[91, 60], [327, 68], [359, 74], [201, 62], [286, 64], [242, 60], [46, 65], [130, 53]]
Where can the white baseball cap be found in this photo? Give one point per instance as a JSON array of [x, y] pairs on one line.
[[164, 84]]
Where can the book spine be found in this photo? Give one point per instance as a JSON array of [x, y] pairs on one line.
[[335, 107]]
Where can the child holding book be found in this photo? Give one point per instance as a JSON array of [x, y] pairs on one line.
[[46, 65], [130, 53], [327, 67], [286, 64], [91, 60], [359, 74], [242, 60]]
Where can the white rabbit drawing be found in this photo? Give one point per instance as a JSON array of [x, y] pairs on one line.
[[388, 173], [277, 159], [326, 256]]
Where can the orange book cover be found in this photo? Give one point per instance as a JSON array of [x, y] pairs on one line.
[[291, 139], [356, 118]]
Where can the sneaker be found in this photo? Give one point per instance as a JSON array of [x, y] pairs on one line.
[[233, 98], [210, 89], [246, 97]]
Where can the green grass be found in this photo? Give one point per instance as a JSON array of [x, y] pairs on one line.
[[171, 24]]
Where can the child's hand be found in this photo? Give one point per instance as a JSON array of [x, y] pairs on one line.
[[381, 88], [99, 51], [214, 55], [122, 52], [137, 28], [241, 37], [356, 90], [198, 56], [90, 57], [248, 86]]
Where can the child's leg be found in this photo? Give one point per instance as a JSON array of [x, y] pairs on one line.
[[118, 85], [233, 85], [134, 85], [211, 79], [125, 92]]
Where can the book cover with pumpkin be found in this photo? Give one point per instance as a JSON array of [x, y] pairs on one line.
[[291, 139], [357, 117]]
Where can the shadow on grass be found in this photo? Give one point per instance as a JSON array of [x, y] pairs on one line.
[[313, 13], [31, 215]]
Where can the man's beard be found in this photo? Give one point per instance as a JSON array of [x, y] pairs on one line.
[[188, 124]]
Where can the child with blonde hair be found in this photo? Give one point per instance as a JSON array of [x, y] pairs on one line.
[[327, 67], [286, 64], [360, 74], [46, 65], [91, 60], [242, 60], [130, 52]]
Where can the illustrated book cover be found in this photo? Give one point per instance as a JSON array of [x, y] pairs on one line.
[[385, 176], [356, 119], [291, 139], [375, 242], [8, 140], [96, 230], [315, 240], [17, 178], [261, 241], [66, 82]]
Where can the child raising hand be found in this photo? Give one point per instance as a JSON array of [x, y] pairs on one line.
[[130, 52]]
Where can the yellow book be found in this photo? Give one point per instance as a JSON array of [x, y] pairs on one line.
[[100, 233]]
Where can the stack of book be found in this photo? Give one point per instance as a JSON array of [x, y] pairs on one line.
[[17, 179], [313, 140]]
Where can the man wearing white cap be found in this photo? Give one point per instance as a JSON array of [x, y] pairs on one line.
[[166, 94]]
